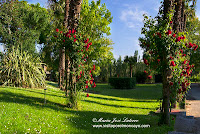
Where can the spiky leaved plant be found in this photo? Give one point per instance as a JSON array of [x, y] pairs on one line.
[[20, 69]]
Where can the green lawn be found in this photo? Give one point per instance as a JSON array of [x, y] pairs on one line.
[[23, 110]]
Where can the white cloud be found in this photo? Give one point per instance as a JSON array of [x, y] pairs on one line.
[[132, 17]]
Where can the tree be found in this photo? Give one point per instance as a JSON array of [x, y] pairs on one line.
[[131, 60], [23, 25], [168, 52], [94, 22]]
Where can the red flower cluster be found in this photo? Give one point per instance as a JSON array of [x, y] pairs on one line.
[[159, 34], [87, 95], [172, 63], [146, 62], [149, 77], [171, 83], [169, 32]]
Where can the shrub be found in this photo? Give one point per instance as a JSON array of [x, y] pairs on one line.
[[140, 77], [158, 78], [122, 83], [21, 69]]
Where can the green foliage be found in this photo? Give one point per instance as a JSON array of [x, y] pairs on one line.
[[21, 69], [123, 83], [23, 25], [140, 77]]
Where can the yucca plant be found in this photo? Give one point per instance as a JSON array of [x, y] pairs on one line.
[[20, 69]]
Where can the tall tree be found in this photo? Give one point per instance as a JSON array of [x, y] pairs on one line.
[[131, 60], [23, 24]]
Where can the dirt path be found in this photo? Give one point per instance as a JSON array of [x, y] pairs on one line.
[[193, 101]]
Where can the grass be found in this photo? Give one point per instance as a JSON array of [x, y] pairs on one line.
[[23, 110]]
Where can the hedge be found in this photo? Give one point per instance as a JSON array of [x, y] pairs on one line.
[[122, 83]]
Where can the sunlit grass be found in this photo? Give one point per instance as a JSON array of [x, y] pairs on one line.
[[23, 110]]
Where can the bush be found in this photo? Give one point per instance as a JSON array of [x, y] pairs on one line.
[[21, 69], [158, 78], [140, 77], [122, 83]]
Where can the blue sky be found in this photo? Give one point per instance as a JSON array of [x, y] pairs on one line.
[[127, 22]]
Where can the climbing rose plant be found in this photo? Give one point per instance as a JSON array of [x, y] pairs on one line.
[[77, 49], [163, 49]]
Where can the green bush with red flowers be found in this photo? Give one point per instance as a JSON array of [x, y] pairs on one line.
[[159, 40], [77, 49]]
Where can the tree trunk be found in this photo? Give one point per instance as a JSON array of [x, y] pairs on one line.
[[131, 71], [67, 61], [74, 14], [165, 118], [61, 68], [177, 16]]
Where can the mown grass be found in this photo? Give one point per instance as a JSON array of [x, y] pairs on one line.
[[23, 110]]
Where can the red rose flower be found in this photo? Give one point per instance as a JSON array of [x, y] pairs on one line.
[[60, 31], [93, 67], [171, 83], [178, 39], [69, 32], [74, 36], [159, 34], [87, 95], [73, 31], [57, 30], [86, 41], [174, 35], [195, 48], [172, 63], [169, 32], [190, 45], [91, 81], [149, 77], [145, 71], [158, 60], [75, 40], [184, 54]]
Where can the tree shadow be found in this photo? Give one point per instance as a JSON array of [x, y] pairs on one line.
[[55, 85], [141, 92], [84, 120], [10, 97], [117, 106], [35, 91], [112, 99]]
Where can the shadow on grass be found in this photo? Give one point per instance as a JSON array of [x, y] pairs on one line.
[[112, 99], [53, 84], [10, 97], [142, 91], [84, 120], [35, 91], [118, 106]]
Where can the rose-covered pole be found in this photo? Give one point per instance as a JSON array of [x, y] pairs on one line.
[[168, 53]]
